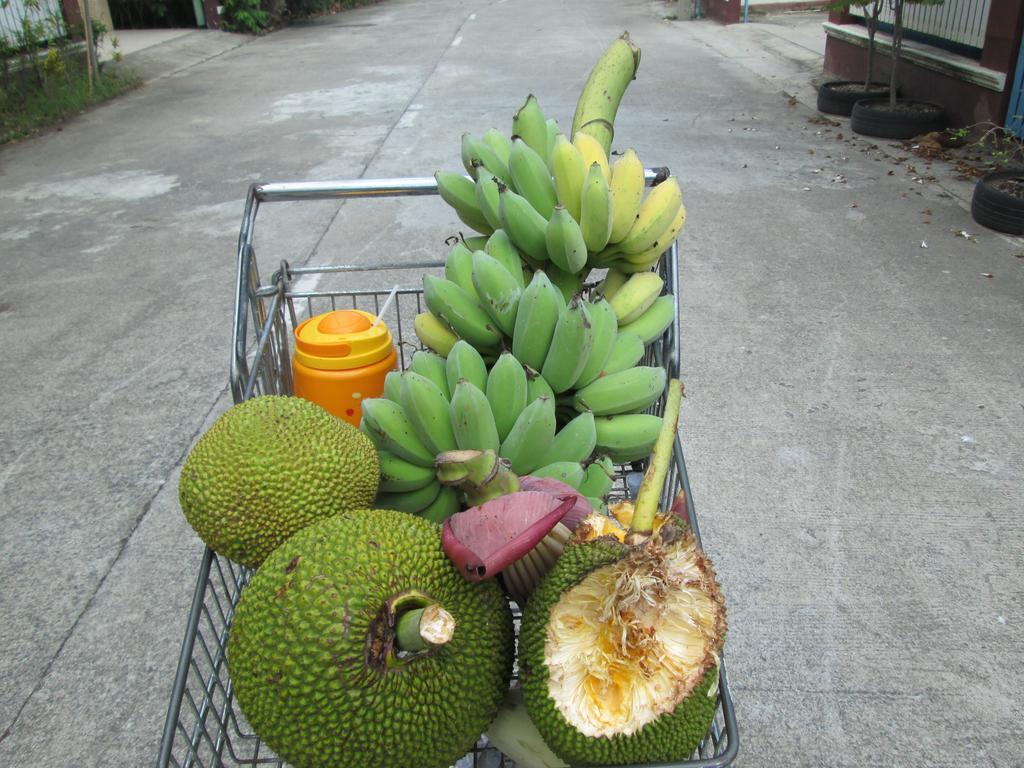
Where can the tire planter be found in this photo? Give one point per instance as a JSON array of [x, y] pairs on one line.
[[995, 208], [833, 101], [871, 117]]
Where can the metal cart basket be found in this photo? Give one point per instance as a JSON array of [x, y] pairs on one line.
[[203, 726]]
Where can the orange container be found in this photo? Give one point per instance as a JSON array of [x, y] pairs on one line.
[[340, 359]]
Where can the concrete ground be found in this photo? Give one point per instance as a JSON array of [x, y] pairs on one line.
[[854, 425]]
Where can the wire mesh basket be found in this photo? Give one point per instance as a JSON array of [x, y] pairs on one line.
[[204, 728]]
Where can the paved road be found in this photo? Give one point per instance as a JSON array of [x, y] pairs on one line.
[[855, 415]]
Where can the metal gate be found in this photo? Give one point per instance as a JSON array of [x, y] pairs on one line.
[[1015, 110], [45, 15]]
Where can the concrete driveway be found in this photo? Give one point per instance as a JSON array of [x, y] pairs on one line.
[[855, 417]]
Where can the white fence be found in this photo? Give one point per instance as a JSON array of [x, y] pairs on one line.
[[959, 21], [13, 13]]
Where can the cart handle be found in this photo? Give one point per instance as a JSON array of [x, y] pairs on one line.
[[409, 186]]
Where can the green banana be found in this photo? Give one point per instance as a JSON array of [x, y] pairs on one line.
[[539, 307], [567, 283], [627, 391], [432, 367], [427, 409], [627, 351], [599, 100], [400, 476], [500, 144], [460, 193], [553, 133], [531, 177], [568, 171], [602, 316], [598, 505], [458, 267], [652, 323], [472, 419], [564, 238], [411, 501], [498, 291], [530, 436], [627, 193], [570, 346], [441, 508], [506, 392], [524, 226], [627, 437], [487, 198], [461, 312], [433, 333], [636, 296], [574, 442], [657, 213], [596, 209], [598, 478], [479, 159], [392, 386], [613, 281], [386, 424], [475, 243], [500, 247], [464, 362], [569, 472], [536, 386], [530, 125]]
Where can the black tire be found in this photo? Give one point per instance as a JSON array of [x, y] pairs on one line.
[[995, 209], [869, 120], [835, 102]]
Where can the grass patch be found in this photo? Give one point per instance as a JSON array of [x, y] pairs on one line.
[[36, 103]]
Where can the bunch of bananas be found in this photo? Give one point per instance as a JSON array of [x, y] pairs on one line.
[[441, 405], [561, 202], [488, 299]]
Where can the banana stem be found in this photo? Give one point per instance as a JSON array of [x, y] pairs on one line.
[[480, 475], [424, 628], [646, 505]]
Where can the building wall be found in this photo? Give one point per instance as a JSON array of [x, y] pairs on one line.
[[965, 103], [725, 11]]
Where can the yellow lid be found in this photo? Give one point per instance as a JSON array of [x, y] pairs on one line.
[[341, 340]]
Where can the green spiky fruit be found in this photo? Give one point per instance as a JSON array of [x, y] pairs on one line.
[[318, 660], [619, 651], [269, 467]]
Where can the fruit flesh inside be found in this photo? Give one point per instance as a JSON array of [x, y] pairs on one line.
[[633, 639]]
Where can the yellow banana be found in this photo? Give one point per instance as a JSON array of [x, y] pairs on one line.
[[627, 193], [633, 299], [592, 152], [663, 243], [657, 212], [601, 94], [433, 333], [568, 171], [652, 323], [612, 282]]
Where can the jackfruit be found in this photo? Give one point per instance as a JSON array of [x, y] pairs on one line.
[[619, 650], [319, 660], [269, 467]]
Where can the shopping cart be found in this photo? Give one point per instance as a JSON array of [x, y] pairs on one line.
[[204, 727]]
